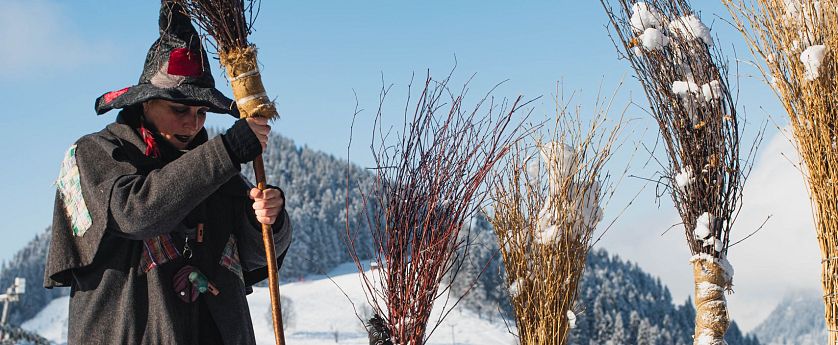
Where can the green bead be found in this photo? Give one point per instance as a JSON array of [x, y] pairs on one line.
[[199, 280]]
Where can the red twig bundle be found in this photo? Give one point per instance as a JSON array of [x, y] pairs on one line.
[[426, 184]]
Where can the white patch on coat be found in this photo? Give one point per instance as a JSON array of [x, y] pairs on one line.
[[69, 186]]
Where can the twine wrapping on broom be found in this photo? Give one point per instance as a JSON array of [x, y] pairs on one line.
[[246, 82], [711, 282]]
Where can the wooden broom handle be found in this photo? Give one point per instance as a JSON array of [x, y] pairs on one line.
[[270, 258]]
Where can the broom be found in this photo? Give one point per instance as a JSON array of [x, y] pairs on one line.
[[544, 215], [685, 81], [229, 22], [428, 181], [796, 43]]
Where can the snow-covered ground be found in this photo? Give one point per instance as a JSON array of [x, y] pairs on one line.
[[322, 314], [51, 322]]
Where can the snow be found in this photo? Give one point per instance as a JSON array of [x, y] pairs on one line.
[[712, 90], [515, 287], [653, 39], [560, 159], [591, 211], [812, 59], [571, 318], [722, 262], [51, 322], [548, 235], [684, 178], [798, 12], [533, 167], [690, 28], [321, 313], [703, 226], [685, 88], [705, 289], [637, 51], [713, 242], [644, 16]]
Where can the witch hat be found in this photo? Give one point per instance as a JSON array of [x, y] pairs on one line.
[[176, 69]]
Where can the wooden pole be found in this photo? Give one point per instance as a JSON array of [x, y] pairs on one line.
[[246, 82], [270, 258]]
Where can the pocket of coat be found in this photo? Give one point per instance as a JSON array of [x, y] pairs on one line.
[[230, 258], [157, 251]]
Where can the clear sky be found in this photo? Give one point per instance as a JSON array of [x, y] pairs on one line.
[[58, 56]]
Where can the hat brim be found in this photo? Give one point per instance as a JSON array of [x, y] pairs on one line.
[[184, 93]]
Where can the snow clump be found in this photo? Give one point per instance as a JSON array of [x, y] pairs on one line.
[[589, 206], [690, 27], [713, 242], [653, 39], [571, 319], [685, 88], [725, 265], [705, 289], [533, 167], [797, 12], [703, 226], [712, 90], [644, 17], [560, 160], [684, 178], [548, 235], [515, 287], [812, 58]]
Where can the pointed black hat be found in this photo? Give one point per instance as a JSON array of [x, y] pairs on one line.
[[176, 69]]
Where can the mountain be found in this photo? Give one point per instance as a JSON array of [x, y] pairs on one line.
[[797, 320], [28, 263]]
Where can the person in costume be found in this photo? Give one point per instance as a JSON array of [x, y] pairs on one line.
[[155, 230]]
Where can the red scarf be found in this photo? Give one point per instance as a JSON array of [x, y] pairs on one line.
[[151, 149]]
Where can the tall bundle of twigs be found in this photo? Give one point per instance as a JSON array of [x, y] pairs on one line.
[[545, 209], [796, 43], [685, 80], [230, 22], [429, 179]]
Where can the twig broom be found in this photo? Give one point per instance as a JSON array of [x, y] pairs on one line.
[[544, 215], [428, 180], [796, 41], [685, 80]]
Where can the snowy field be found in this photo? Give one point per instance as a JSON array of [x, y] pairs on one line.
[[322, 315]]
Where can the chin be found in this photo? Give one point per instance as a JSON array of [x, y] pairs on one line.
[[178, 144]]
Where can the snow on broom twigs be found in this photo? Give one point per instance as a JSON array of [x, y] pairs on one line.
[[547, 203], [685, 78], [796, 41], [429, 178]]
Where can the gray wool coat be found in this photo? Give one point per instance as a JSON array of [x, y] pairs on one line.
[[121, 223]]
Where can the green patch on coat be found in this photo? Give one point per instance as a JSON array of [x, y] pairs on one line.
[[69, 185]]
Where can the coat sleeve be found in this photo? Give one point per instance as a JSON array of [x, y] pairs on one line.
[[142, 204], [105, 186]]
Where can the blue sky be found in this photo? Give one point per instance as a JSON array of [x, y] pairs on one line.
[[317, 55]]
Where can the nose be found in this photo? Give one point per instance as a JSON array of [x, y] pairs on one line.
[[191, 121]]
